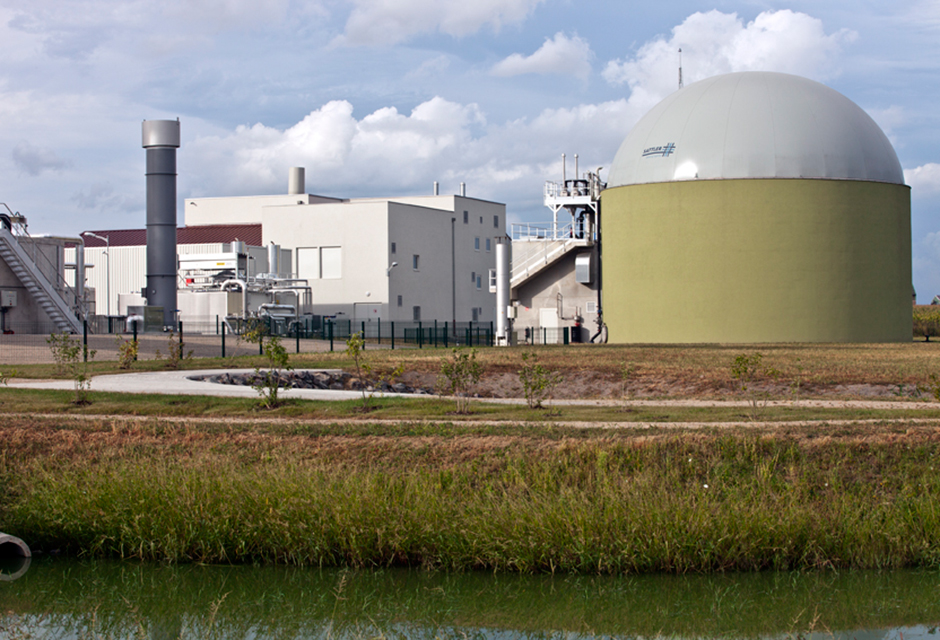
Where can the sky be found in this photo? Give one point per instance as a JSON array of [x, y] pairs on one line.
[[384, 97]]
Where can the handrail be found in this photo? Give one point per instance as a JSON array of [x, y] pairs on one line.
[[78, 307]]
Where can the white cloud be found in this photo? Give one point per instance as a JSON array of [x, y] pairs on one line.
[[374, 22], [924, 179], [559, 55], [387, 152], [34, 160], [713, 43]]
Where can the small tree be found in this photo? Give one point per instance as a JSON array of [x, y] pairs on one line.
[[268, 382], [746, 369], [627, 375], [70, 355], [369, 377], [127, 351], [538, 383], [461, 371]]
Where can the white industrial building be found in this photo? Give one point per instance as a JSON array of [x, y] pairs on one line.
[[417, 258]]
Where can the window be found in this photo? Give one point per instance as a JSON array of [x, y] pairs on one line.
[[479, 282], [476, 314], [473, 276], [399, 301], [476, 244], [466, 217], [308, 263], [331, 263], [414, 261], [393, 247], [487, 245], [416, 314], [481, 219], [496, 222]]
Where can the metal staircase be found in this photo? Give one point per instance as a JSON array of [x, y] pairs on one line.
[[45, 294]]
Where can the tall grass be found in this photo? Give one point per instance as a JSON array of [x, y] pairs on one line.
[[675, 504]]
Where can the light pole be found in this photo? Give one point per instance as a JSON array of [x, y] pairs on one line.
[[107, 252]]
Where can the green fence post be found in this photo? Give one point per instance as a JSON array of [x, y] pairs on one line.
[[85, 339], [378, 332], [181, 338], [435, 333], [446, 337], [134, 323], [393, 334], [217, 324], [420, 335], [331, 335], [223, 341], [297, 335], [566, 335]]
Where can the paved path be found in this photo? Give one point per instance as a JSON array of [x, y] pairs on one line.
[[182, 383]]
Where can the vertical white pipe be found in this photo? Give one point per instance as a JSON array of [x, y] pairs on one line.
[[503, 274], [463, 189], [437, 188]]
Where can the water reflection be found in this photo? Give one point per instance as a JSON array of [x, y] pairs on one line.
[[74, 599]]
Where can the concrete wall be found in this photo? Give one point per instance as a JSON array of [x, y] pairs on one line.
[[757, 261], [357, 232], [50, 255], [542, 292], [240, 210]]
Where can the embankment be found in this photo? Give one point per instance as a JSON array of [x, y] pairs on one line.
[[507, 499]]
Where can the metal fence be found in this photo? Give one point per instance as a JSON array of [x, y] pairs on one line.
[[213, 340]]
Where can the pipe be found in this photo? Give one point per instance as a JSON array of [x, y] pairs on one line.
[[503, 274], [437, 188], [274, 259], [463, 189], [161, 139], [241, 283]]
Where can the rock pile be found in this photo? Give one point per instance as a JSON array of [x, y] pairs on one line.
[[312, 380]]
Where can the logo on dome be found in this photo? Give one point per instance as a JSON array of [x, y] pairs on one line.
[[662, 152]]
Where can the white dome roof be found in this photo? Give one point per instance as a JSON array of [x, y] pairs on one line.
[[755, 125]]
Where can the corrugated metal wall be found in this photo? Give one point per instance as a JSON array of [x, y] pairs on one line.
[[128, 270]]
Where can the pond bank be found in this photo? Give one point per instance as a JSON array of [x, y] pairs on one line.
[[553, 501]]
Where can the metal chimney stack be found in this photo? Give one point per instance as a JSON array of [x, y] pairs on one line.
[[295, 181], [161, 139]]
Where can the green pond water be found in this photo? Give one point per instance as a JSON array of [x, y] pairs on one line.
[[67, 598]]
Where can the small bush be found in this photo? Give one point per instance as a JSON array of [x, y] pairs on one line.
[[538, 383], [927, 321], [460, 373], [127, 352]]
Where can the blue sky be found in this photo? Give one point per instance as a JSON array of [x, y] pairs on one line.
[[383, 97]]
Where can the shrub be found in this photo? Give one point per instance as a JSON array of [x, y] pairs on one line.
[[927, 321], [460, 373], [72, 358], [538, 383]]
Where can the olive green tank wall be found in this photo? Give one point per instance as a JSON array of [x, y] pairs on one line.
[[757, 261]]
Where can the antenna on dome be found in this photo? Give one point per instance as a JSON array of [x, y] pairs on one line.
[[680, 68]]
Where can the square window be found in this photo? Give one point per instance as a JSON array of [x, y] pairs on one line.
[[414, 261], [416, 314], [393, 247], [399, 301], [487, 244], [466, 217], [476, 244]]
